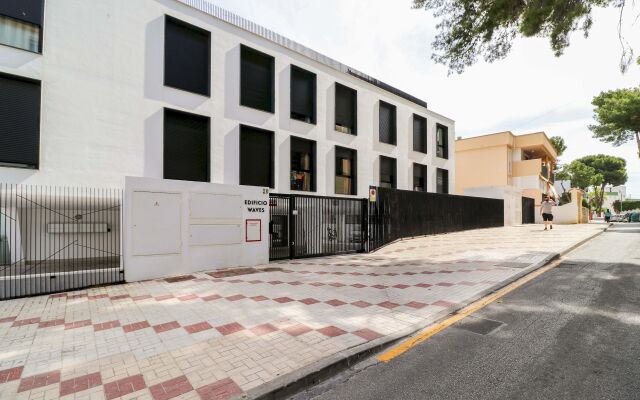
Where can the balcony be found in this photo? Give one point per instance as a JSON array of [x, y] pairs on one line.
[[527, 167]]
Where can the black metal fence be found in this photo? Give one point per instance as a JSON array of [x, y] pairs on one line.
[[528, 210], [58, 238], [311, 226], [402, 213]]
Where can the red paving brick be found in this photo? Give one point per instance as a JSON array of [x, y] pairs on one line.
[[40, 380], [7, 319], [388, 304], [230, 328], [106, 325], [331, 331], [124, 386], [136, 326], [282, 300], [77, 324], [199, 327], [11, 374], [335, 303], [309, 301], [367, 334], [187, 297], [423, 285], [142, 297], [416, 305], [211, 297], [263, 329], [259, 298], [443, 303], [24, 322], [358, 285], [80, 383], [445, 284], [297, 330], [50, 323], [220, 390], [236, 297], [171, 388], [167, 326], [361, 304], [120, 297], [164, 297], [400, 286]]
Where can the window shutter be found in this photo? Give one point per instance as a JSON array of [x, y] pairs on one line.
[[257, 79], [186, 146], [303, 95], [388, 171], [19, 121], [346, 107], [256, 157], [419, 133], [187, 57], [387, 117]]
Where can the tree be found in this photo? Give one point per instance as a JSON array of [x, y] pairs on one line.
[[612, 170], [468, 29], [617, 113], [581, 175], [558, 145]]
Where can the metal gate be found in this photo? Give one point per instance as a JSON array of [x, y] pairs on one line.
[[55, 239], [312, 226], [528, 210]]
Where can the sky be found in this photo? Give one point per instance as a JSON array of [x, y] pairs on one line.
[[529, 91]]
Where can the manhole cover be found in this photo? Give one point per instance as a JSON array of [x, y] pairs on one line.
[[480, 326]]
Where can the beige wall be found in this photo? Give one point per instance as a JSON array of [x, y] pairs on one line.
[[527, 167], [485, 166]]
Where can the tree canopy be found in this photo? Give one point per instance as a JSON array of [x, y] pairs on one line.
[[558, 144], [613, 171], [617, 113], [581, 175], [468, 29]]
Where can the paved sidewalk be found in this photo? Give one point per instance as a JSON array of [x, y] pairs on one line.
[[218, 335]]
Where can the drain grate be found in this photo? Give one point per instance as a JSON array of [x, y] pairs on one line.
[[480, 326]]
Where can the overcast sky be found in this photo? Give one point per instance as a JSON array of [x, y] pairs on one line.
[[529, 91]]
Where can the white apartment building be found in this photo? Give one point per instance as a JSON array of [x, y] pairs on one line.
[[93, 91]]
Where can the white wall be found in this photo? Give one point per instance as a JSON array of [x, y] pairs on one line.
[[103, 98], [512, 197], [175, 227]]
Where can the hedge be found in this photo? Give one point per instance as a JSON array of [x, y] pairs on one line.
[[629, 205]]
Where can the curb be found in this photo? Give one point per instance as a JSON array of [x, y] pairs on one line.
[[313, 374]]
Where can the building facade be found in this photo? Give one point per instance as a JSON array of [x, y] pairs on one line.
[[91, 92], [505, 160]]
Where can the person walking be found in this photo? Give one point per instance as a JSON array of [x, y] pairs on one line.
[[607, 216], [546, 209]]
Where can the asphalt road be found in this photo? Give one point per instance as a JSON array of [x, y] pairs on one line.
[[572, 333]]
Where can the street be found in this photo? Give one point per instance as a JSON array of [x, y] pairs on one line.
[[573, 332]]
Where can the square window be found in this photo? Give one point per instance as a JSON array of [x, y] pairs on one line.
[[257, 79], [186, 146], [21, 24], [19, 122], [419, 177], [303, 164], [387, 119], [346, 110], [256, 157], [419, 134], [387, 172], [442, 181], [303, 95], [187, 57], [346, 171], [442, 141]]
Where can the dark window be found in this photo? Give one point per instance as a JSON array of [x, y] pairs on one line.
[[303, 95], [442, 141], [442, 181], [256, 157], [187, 57], [256, 79], [346, 171], [186, 146], [21, 24], [419, 177], [346, 109], [387, 172], [19, 122], [419, 133], [303, 164], [387, 119]]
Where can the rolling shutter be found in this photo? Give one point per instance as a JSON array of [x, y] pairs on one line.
[[346, 109], [442, 181], [256, 79], [256, 157], [387, 172], [387, 119], [187, 57], [303, 95], [19, 121], [186, 146]]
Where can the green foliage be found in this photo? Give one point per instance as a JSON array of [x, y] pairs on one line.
[[468, 29], [610, 170], [617, 206], [617, 113], [629, 205], [580, 175], [558, 144]]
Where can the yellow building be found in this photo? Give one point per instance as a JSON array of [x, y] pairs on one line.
[[504, 159]]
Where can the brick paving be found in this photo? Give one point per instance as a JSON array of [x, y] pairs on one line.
[[217, 335]]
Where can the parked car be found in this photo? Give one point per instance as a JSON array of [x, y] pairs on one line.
[[617, 218]]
